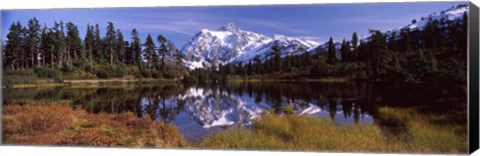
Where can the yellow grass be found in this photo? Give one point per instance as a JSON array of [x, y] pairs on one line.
[[290, 132], [59, 124]]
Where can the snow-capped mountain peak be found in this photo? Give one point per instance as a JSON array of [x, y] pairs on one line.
[[231, 44], [229, 27], [444, 16]]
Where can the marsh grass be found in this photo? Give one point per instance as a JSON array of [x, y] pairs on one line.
[[432, 133], [59, 124], [291, 132]]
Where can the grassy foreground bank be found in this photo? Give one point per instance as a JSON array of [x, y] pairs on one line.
[[59, 124], [290, 132]]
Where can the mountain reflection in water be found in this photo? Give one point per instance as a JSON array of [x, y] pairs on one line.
[[201, 110]]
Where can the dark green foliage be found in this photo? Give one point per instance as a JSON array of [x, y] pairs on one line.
[[332, 52], [156, 74], [276, 57], [60, 45], [89, 45], [74, 45], [163, 50], [98, 44], [59, 51], [345, 51], [33, 41], [136, 49], [149, 52], [13, 47], [121, 48], [19, 76], [108, 71], [341, 69], [435, 54], [48, 73], [110, 42]]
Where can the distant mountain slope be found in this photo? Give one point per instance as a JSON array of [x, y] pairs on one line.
[[231, 44]]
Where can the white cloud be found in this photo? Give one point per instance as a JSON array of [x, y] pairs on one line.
[[186, 27], [272, 25]]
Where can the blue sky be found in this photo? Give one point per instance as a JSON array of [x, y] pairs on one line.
[[315, 22]]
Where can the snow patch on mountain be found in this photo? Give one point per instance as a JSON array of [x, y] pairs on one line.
[[231, 44]]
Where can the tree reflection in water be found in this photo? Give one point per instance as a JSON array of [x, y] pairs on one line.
[[223, 105]]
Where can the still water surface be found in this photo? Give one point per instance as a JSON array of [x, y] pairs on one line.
[[201, 110]]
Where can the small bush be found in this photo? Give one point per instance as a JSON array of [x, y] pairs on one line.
[[156, 74], [146, 73], [288, 109], [22, 76], [48, 73], [79, 74]]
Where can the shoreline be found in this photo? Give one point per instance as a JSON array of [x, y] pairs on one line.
[[271, 132], [89, 82], [97, 82]]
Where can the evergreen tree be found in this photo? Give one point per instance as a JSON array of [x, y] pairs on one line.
[[13, 46], [452, 35], [60, 44], [33, 41], [121, 51], [276, 57], [129, 55], [179, 58], [111, 39], [258, 63], [51, 41], [163, 50], [149, 51], [354, 45], [249, 68], [89, 42], [136, 49], [406, 41], [44, 45], [344, 51], [378, 61], [392, 45], [74, 43], [463, 35], [331, 58], [98, 46], [23, 55]]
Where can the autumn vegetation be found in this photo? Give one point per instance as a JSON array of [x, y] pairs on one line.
[[59, 124], [418, 134]]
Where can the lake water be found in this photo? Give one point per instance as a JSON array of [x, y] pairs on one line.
[[205, 109]]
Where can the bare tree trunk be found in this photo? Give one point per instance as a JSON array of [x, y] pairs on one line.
[[163, 62], [51, 58], [91, 63], [68, 58], [43, 58], [33, 60], [111, 56], [74, 55]]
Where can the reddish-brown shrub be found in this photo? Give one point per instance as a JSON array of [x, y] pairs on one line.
[[61, 125]]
